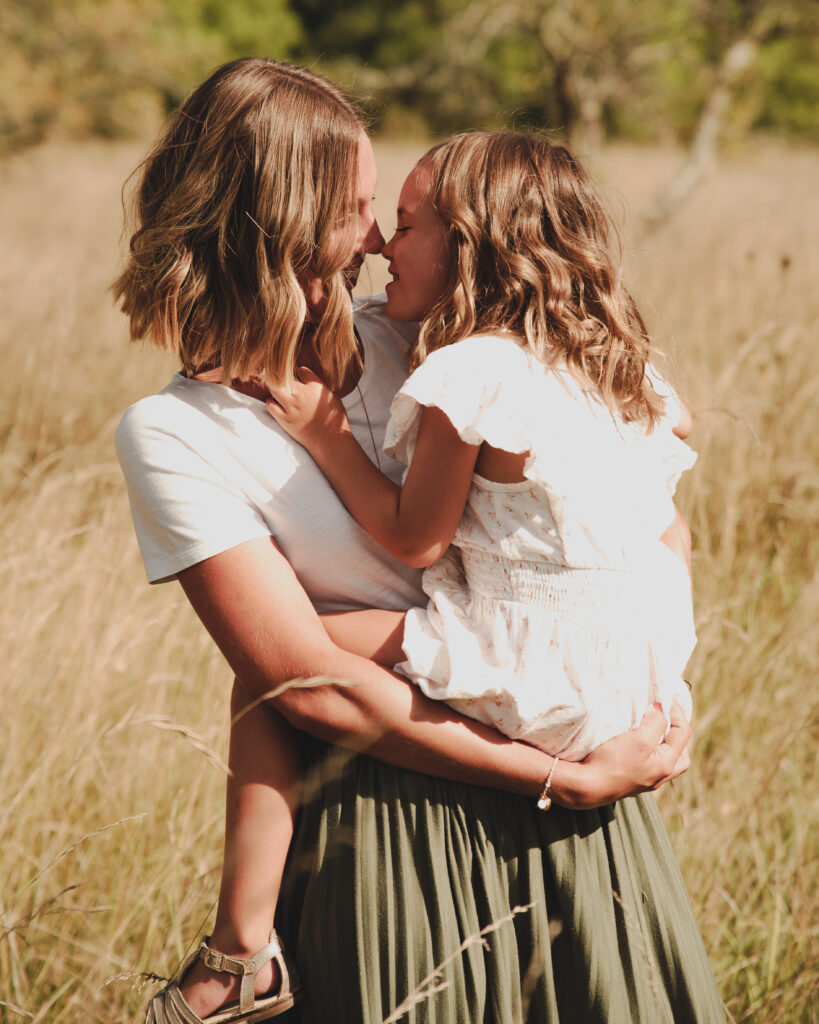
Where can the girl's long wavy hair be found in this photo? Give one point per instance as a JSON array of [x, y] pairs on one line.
[[529, 252], [251, 189]]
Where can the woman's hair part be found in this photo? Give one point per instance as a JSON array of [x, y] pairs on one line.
[[529, 252], [250, 190]]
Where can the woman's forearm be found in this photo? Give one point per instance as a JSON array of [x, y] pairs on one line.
[[251, 603], [391, 720]]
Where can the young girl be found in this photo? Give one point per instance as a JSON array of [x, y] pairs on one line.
[[541, 445]]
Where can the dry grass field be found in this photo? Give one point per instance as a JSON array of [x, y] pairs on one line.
[[110, 796]]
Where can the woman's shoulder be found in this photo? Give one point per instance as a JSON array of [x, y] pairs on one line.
[[180, 409], [158, 412], [191, 421]]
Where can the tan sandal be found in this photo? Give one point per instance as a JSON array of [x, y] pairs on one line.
[[168, 1006]]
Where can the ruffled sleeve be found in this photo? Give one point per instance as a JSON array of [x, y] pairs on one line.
[[610, 485], [481, 384]]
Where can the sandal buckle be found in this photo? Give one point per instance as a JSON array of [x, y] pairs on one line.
[[213, 959]]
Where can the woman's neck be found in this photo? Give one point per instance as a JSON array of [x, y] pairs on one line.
[[306, 356]]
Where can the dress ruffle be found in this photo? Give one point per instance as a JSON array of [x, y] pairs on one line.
[[564, 659]]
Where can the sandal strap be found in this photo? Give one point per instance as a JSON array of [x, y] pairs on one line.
[[248, 969]]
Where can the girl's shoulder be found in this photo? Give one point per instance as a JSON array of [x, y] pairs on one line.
[[483, 348], [483, 384]]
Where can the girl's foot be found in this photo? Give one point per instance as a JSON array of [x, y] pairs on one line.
[[231, 986], [206, 992]]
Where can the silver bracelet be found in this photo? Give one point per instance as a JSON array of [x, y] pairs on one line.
[[544, 801]]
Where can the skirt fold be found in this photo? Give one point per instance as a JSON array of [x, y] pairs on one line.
[[391, 872]]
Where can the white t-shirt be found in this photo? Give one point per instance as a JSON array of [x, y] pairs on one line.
[[207, 468]]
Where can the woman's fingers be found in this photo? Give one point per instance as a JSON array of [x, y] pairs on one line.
[[672, 754], [653, 725], [274, 408], [677, 740]]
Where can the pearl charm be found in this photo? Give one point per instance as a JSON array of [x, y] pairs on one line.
[[544, 801]]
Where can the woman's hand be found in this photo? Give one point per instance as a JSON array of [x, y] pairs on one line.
[[635, 762], [309, 411]]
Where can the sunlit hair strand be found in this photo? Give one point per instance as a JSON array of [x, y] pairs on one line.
[[250, 190], [529, 252]]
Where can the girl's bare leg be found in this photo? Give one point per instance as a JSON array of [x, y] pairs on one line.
[[372, 633], [262, 797]]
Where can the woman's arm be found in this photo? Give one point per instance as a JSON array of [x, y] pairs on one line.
[[257, 612], [416, 522]]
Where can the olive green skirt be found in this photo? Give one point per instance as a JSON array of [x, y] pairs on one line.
[[393, 874]]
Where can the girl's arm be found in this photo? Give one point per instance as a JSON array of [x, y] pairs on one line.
[[678, 538], [257, 612], [685, 423], [415, 523]]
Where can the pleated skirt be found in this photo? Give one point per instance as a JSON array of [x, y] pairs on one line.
[[393, 876]]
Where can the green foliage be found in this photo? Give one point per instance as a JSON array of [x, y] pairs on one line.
[[629, 68], [789, 70], [114, 67]]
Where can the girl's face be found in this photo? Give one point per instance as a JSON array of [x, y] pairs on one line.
[[416, 252]]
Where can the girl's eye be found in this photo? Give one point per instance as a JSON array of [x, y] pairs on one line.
[[399, 231]]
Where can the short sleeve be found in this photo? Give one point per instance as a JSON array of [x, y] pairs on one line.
[[480, 384], [184, 509]]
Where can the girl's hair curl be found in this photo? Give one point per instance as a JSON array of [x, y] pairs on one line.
[[528, 252]]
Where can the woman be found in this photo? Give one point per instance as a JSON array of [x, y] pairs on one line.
[[253, 217]]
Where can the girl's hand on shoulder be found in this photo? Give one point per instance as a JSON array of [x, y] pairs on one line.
[[637, 761], [309, 411]]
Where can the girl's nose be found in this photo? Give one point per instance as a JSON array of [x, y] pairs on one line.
[[386, 249]]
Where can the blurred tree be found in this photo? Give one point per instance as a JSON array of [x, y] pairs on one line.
[[112, 67], [734, 35], [644, 68], [589, 68], [564, 63]]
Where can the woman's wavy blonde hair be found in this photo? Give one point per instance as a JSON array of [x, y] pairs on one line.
[[529, 252], [251, 189]]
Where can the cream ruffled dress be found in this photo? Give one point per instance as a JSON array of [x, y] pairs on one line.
[[557, 616]]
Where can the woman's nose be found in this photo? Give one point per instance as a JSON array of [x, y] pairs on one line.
[[374, 240]]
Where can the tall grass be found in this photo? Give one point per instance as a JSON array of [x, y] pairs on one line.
[[110, 805]]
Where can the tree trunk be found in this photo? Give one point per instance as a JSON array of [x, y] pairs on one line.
[[701, 157]]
